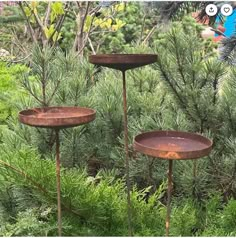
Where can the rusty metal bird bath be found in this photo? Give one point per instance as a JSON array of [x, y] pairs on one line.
[[172, 145], [123, 62], [57, 118]]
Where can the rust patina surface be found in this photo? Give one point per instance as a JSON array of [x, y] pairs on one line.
[[57, 117], [123, 62], [174, 145]]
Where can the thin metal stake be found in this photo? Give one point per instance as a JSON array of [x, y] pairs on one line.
[[169, 197], [58, 183], [127, 154]]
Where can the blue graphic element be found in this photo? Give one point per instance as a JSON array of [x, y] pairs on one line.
[[229, 24]]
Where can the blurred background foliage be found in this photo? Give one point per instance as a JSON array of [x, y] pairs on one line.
[[189, 88]]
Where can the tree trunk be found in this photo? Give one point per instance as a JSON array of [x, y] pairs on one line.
[[78, 43]]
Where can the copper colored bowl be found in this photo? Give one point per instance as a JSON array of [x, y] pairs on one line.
[[122, 61], [57, 117], [175, 145]]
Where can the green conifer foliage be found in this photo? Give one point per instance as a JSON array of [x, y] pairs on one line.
[[188, 88]]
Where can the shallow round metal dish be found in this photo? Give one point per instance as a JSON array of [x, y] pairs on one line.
[[172, 145], [123, 61], [57, 117]]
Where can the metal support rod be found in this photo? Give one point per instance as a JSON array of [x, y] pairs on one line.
[[194, 177], [127, 154], [169, 197], [58, 183]]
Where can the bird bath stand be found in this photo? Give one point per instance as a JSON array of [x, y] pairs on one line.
[[57, 118], [172, 145], [123, 62]]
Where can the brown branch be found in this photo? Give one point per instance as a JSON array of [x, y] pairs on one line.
[[80, 18], [91, 45], [58, 26], [149, 34], [28, 23], [47, 14], [142, 29], [15, 41], [90, 32], [94, 10], [17, 61], [87, 37], [40, 24], [60, 22], [83, 20]]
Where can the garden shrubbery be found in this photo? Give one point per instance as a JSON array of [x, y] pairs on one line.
[[9, 88], [188, 88]]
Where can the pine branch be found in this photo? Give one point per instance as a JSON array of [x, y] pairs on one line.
[[39, 187], [182, 103]]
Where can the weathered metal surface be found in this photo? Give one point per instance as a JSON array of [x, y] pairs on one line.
[[169, 192], [58, 173], [122, 62], [174, 145], [126, 143], [57, 117]]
